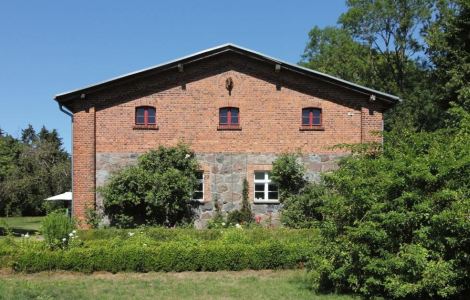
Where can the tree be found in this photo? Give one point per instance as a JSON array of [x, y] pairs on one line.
[[449, 51], [390, 28], [32, 169], [379, 44], [333, 50], [28, 135]]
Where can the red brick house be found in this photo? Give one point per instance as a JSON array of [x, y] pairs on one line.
[[237, 109]]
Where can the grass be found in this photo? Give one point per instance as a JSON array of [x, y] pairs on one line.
[[267, 284], [20, 225]]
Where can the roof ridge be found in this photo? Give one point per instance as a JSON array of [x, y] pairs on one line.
[[235, 46]]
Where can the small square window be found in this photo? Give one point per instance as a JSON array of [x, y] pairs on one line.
[[145, 115], [311, 117], [264, 189]]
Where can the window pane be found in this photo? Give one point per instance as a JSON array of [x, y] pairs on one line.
[[199, 175], [305, 121], [306, 116], [223, 116], [199, 187], [259, 195], [139, 120], [259, 175], [234, 113], [272, 188], [259, 187], [140, 111], [151, 119], [316, 117], [272, 196], [305, 113], [198, 195], [140, 115]]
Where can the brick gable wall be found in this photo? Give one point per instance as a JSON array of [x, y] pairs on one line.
[[188, 105]]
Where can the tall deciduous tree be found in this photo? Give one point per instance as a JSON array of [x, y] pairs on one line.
[[32, 168], [379, 44], [391, 28], [449, 40]]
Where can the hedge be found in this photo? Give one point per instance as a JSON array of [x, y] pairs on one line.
[[168, 257], [184, 250]]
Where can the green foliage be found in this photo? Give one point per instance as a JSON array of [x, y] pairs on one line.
[[288, 173], [391, 29], [396, 223], [162, 249], [218, 220], [303, 210], [450, 52], [157, 191], [31, 169], [93, 217], [57, 229], [244, 215], [333, 51]]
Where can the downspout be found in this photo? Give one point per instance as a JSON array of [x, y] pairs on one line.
[[68, 113]]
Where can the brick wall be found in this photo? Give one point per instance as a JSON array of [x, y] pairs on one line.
[[188, 103], [83, 161]]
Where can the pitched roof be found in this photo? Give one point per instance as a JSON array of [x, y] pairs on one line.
[[63, 97]]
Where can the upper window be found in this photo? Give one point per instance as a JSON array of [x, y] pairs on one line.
[[311, 116], [199, 192], [145, 115], [265, 190], [229, 116]]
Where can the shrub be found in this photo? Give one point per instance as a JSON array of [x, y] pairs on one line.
[[157, 191], [303, 210], [218, 220], [93, 217], [241, 216], [56, 228], [396, 223], [288, 173]]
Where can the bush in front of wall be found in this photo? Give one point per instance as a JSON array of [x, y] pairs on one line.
[[157, 191], [289, 175], [244, 215]]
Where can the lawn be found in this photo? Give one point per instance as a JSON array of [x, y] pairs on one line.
[[20, 225], [266, 284]]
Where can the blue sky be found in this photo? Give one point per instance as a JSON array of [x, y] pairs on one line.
[[48, 47]]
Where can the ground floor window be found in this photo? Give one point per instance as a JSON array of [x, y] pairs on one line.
[[265, 190], [199, 192]]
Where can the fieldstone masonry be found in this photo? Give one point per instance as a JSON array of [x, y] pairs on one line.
[[224, 173]]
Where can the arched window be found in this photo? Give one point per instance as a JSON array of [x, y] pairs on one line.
[[311, 116], [229, 116], [145, 115]]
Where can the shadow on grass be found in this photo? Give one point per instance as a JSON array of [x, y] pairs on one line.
[[302, 282], [16, 231]]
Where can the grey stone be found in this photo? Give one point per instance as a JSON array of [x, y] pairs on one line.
[[222, 187], [227, 172]]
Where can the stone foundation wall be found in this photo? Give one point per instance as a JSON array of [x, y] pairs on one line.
[[223, 178]]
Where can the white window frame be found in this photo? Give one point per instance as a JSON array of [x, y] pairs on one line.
[[266, 181], [200, 181]]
